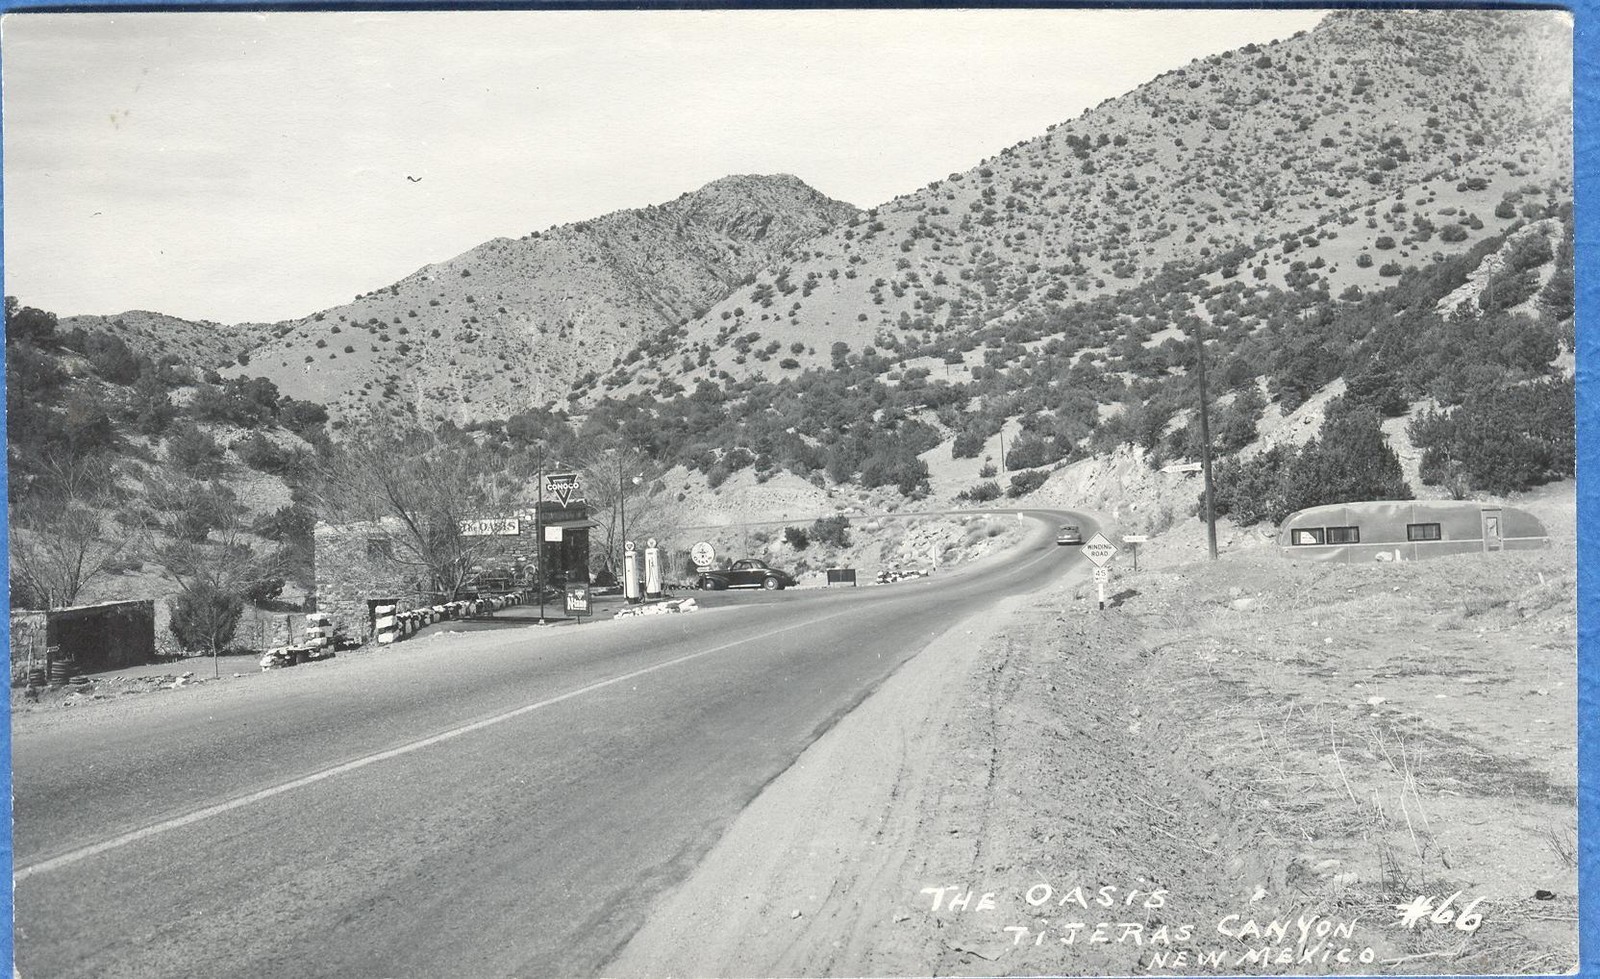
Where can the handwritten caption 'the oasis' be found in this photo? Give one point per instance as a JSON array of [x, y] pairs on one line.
[[1049, 917]]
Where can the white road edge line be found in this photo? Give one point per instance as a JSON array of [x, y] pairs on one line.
[[188, 819]]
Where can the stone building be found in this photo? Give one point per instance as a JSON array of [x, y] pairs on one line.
[[357, 569]]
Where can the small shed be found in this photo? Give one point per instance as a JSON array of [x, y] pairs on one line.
[[1407, 530], [95, 637]]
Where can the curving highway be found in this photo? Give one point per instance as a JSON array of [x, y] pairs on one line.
[[495, 803]]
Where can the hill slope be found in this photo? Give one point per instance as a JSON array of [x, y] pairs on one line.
[[1371, 134], [511, 323], [197, 343]]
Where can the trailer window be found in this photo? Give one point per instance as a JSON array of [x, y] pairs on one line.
[[1344, 535], [1422, 531], [1306, 535]]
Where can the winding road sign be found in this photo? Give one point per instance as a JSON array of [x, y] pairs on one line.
[[1099, 550]]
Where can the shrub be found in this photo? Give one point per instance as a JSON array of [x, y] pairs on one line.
[[1349, 461], [1503, 291], [968, 444], [1030, 451], [1026, 482], [833, 531], [796, 538], [981, 493], [204, 618], [194, 452], [1502, 439], [262, 454]]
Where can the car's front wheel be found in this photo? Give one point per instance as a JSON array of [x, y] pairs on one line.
[[772, 584]]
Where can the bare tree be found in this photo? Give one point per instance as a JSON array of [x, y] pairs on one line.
[[63, 531], [617, 481], [196, 532], [415, 490]]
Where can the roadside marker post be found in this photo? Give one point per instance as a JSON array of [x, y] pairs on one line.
[[1101, 576]]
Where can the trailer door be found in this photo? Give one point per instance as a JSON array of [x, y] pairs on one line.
[[1491, 529]]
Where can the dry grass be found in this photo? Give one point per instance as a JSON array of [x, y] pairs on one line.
[[1333, 710]]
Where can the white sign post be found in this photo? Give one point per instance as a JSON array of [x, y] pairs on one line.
[[1100, 551], [1133, 541]]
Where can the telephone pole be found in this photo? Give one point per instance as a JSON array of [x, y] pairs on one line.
[[1205, 443]]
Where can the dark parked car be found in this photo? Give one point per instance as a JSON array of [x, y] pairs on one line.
[[1070, 534], [749, 573]]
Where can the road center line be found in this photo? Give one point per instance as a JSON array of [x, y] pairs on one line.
[[188, 819]]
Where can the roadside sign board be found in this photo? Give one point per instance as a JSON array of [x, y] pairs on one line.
[[578, 598], [1099, 550], [702, 554], [1102, 575], [564, 487], [1133, 541], [490, 527]]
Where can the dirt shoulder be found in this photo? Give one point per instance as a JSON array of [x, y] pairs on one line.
[[1178, 785]]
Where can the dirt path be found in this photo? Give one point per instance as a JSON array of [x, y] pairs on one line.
[[1177, 785]]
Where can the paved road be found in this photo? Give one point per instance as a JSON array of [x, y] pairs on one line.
[[501, 803]]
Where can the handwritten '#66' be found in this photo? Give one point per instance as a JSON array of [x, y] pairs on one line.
[[1422, 909]]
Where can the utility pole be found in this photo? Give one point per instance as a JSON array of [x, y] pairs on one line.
[[1205, 443], [539, 575]]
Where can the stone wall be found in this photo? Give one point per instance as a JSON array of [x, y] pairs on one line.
[[354, 572], [28, 636]]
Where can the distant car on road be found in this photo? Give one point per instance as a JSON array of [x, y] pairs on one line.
[[748, 573], [1069, 534]]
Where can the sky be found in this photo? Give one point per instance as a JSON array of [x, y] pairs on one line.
[[261, 166]]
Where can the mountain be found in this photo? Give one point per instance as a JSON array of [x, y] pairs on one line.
[[512, 323], [1326, 163], [1379, 139]]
